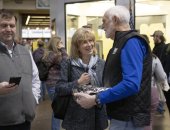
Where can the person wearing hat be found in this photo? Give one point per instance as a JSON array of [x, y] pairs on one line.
[[159, 41], [160, 50]]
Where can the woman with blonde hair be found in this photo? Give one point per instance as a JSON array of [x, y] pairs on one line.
[[54, 54], [86, 72]]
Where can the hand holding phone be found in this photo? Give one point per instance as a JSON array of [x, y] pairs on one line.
[[14, 80], [5, 87]]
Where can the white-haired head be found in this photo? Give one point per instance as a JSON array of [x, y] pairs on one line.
[[121, 12]]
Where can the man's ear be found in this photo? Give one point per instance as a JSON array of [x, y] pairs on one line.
[[115, 19]]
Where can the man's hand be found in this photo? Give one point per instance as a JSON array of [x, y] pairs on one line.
[[5, 87], [85, 100]]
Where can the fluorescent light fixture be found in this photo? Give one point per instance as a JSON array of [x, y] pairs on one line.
[[40, 17], [28, 19], [47, 28]]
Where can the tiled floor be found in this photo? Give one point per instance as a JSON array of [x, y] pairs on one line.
[[43, 118], [162, 122]]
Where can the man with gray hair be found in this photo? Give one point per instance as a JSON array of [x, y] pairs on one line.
[[127, 74]]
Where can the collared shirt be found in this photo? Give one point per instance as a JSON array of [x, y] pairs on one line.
[[132, 57]]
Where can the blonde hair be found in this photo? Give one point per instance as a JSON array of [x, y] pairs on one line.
[[81, 35], [52, 46]]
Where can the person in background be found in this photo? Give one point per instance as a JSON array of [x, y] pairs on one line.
[[18, 40], [159, 83], [53, 55], [159, 42], [127, 74], [28, 44], [85, 72], [37, 55], [163, 53], [18, 102], [24, 42]]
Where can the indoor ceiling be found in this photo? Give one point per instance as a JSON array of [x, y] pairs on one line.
[[36, 20], [43, 20], [143, 8]]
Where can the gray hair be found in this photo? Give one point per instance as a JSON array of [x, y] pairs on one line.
[[119, 11]]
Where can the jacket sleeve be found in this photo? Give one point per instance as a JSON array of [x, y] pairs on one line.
[[64, 85], [160, 75]]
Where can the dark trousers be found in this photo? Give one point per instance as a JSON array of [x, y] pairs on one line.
[[167, 96], [24, 126]]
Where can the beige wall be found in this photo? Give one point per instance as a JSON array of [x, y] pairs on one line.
[[25, 5]]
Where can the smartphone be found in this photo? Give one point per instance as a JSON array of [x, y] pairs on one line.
[[92, 93], [15, 80]]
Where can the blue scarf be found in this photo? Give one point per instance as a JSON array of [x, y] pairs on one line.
[[89, 67]]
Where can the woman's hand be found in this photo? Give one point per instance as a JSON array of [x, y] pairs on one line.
[[84, 79], [60, 45]]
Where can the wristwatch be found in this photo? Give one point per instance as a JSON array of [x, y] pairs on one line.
[[97, 100]]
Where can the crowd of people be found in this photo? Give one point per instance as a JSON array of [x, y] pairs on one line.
[[134, 80]]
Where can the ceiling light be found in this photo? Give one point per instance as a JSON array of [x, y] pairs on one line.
[[40, 17], [28, 19], [47, 28]]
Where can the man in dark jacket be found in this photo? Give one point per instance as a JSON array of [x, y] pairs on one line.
[[37, 55], [39, 52], [127, 74], [159, 48], [162, 51]]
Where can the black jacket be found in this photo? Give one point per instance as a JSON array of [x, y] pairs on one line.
[[159, 51], [78, 118], [134, 107], [162, 51]]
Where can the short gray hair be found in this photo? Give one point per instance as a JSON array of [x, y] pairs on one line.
[[119, 11]]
